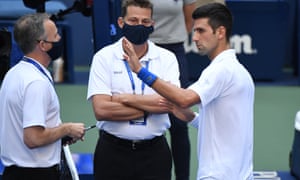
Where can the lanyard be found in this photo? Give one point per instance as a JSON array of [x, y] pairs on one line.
[[131, 77], [144, 120], [26, 59]]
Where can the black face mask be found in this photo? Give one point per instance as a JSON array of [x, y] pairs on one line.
[[56, 50], [137, 34]]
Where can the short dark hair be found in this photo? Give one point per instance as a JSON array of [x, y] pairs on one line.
[[28, 29], [139, 3], [218, 15]]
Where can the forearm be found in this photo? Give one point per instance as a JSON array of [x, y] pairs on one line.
[[149, 103], [181, 97], [37, 136], [112, 111]]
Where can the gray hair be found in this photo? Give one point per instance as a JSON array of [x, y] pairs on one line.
[[28, 29]]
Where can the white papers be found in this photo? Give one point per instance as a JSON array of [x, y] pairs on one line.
[[70, 162], [265, 175]]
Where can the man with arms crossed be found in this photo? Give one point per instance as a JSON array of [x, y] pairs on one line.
[[132, 117]]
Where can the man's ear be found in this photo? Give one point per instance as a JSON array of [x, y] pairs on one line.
[[43, 46], [221, 32], [120, 22]]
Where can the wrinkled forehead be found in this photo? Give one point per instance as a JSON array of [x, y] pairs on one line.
[[138, 12]]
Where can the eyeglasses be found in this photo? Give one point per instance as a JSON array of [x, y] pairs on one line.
[[136, 21], [46, 41]]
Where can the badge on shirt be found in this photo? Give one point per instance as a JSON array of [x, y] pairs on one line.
[[142, 121]]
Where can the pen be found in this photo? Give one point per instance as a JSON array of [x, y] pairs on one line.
[[90, 127]]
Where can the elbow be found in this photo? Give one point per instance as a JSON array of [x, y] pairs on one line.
[[187, 99], [30, 144], [101, 115]]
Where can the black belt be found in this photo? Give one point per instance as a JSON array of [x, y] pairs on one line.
[[132, 144], [14, 167]]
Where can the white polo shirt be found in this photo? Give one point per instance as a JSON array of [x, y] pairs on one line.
[[27, 99], [109, 75], [225, 122]]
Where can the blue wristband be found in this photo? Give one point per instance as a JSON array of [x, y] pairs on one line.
[[146, 76]]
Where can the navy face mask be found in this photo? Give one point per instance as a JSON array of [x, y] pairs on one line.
[[56, 50], [137, 34]]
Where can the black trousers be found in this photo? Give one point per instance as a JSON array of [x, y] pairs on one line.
[[20, 173], [295, 155], [119, 159]]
